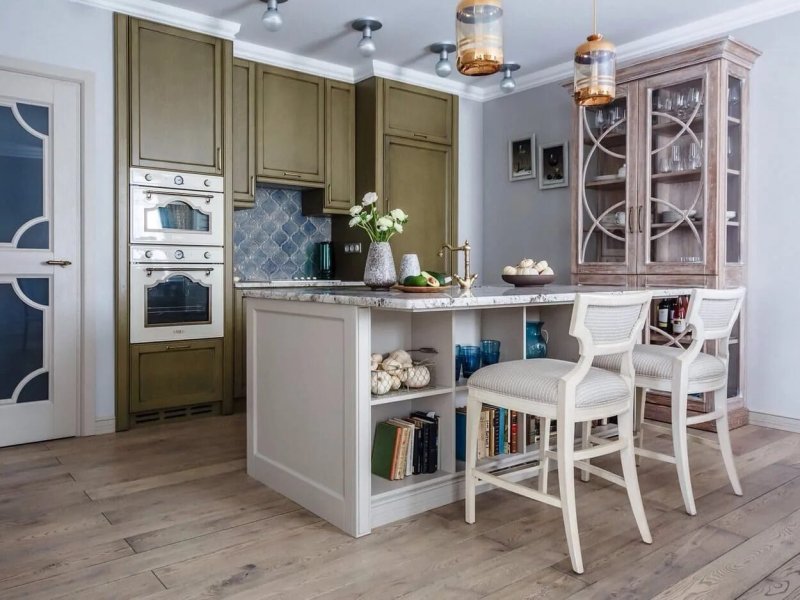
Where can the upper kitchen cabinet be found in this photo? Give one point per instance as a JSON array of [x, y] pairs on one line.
[[176, 112], [414, 112], [244, 133], [290, 124]]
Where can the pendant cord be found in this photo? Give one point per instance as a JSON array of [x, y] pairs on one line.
[[594, 17]]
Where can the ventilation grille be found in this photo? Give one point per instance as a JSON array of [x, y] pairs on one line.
[[175, 414]]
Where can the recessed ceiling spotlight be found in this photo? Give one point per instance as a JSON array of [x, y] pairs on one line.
[[443, 49], [272, 19], [508, 84], [366, 46]]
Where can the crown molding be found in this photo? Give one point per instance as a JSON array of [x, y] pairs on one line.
[[295, 62], [716, 25], [169, 15]]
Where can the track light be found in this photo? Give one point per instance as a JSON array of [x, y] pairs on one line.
[[366, 46], [508, 84], [443, 49], [272, 19]]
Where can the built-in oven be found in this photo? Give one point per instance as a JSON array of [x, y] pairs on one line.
[[177, 293], [184, 209]]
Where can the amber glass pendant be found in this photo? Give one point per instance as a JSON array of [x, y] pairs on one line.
[[595, 69], [479, 29]]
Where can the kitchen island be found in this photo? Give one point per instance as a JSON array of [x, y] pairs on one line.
[[310, 411]]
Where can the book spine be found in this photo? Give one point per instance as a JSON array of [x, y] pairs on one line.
[[514, 426], [433, 463]]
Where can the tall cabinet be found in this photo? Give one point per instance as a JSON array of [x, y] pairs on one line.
[[659, 192]]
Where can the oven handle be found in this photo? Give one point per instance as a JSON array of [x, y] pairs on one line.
[[208, 197], [151, 270]]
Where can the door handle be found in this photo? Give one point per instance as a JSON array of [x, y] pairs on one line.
[[253, 186], [288, 174], [630, 220], [639, 219], [421, 135], [59, 263], [218, 161], [179, 347]]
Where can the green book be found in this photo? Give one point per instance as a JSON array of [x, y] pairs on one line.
[[383, 450]]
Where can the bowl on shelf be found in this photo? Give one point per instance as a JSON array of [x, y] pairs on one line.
[[528, 280], [669, 216]]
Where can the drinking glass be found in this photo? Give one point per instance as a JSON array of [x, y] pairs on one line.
[[695, 158], [681, 104], [677, 158], [459, 361], [471, 356], [490, 352]]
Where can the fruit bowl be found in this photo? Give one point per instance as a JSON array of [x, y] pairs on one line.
[[528, 280]]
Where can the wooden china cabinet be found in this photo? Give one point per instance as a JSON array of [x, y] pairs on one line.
[[660, 187]]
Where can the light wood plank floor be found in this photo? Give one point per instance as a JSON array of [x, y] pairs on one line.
[[168, 512]]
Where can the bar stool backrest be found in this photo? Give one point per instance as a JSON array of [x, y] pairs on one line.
[[712, 313], [609, 323]]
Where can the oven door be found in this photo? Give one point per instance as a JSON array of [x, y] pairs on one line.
[[176, 302], [161, 216]]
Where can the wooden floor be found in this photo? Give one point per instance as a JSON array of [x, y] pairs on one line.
[[168, 512]]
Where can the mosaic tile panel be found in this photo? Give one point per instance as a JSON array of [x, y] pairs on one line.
[[274, 240]]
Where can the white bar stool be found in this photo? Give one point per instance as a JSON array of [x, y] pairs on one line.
[[711, 316], [604, 324]]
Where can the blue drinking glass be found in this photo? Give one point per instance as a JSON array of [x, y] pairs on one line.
[[471, 360], [490, 352], [459, 361]]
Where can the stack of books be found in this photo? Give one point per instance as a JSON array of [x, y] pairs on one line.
[[406, 446], [498, 432]]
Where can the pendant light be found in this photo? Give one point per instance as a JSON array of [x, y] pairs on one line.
[[443, 49], [366, 45], [508, 84], [272, 19], [595, 68], [479, 28]]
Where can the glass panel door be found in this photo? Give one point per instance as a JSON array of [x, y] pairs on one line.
[[605, 212], [177, 300], [735, 176], [676, 214]]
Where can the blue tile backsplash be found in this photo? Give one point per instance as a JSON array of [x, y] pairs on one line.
[[275, 240]]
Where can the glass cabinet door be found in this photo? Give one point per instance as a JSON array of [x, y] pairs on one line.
[[734, 168], [673, 219], [605, 204]]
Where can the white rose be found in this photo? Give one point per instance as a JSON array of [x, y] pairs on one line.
[[382, 228], [385, 222], [398, 228], [355, 210], [398, 214], [354, 221], [369, 198]]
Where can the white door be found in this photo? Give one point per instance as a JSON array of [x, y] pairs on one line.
[[40, 154]]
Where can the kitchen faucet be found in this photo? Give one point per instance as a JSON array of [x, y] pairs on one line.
[[469, 278]]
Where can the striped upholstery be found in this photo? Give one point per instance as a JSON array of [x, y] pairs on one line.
[[537, 381], [611, 324], [717, 314], [656, 362]]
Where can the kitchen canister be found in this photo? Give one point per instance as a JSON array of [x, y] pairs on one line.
[[409, 265]]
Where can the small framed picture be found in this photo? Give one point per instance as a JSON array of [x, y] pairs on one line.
[[521, 164], [553, 166]]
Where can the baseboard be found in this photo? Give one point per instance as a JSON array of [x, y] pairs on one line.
[[775, 422], [105, 425]]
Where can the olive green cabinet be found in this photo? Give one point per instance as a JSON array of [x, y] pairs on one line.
[[418, 178], [176, 112], [243, 144], [290, 126], [172, 374], [418, 113]]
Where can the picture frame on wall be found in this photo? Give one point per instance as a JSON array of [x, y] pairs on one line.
[[553, 166], [521, 162]]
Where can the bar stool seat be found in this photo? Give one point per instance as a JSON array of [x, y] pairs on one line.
[[657, 362], [536, 381]]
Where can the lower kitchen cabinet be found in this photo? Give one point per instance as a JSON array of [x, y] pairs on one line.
[[174, 374]]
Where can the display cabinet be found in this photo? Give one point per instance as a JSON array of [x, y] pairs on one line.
[[660, 194]]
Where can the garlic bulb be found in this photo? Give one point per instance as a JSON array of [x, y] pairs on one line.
[[547, 271], [418, 377], [541, 266], [527, 263], [527, 271], [403, 357], [509, 270]]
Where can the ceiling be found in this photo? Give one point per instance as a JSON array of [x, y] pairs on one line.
[[538, 34]]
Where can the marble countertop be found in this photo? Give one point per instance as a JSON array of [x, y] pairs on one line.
[[295, 283], [448, 298]]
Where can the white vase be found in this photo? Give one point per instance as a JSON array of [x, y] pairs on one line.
[[409, 265], [379, 272]]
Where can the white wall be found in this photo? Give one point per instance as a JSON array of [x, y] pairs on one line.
[[520, 220], [470, 182], [78, 37]]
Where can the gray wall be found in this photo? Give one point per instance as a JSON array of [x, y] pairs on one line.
[[520, 220], [470, 182]]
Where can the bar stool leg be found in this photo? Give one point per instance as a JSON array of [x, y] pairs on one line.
[[628, 459], [724, 435], [544, 446], [473, 423], [680, 444], [586, 430], [566, 489], [641, 400]]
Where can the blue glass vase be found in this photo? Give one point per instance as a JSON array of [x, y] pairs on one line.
[[536, 340]]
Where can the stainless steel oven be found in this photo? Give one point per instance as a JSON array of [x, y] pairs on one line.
[[184, 209], [177, 293]]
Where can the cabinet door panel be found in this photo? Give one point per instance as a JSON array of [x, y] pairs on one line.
[[176, 99], [340, 144], [291, 125], [415, 112], [419, 179], [244, 131]]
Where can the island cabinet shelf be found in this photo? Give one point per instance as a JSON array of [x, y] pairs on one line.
[[310, 430]]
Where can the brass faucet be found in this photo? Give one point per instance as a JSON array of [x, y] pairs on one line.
[[469, 278]]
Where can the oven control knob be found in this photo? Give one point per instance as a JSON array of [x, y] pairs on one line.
[[148, 177], [148, 254], [179, 254], [178, 180], [207, 255]]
